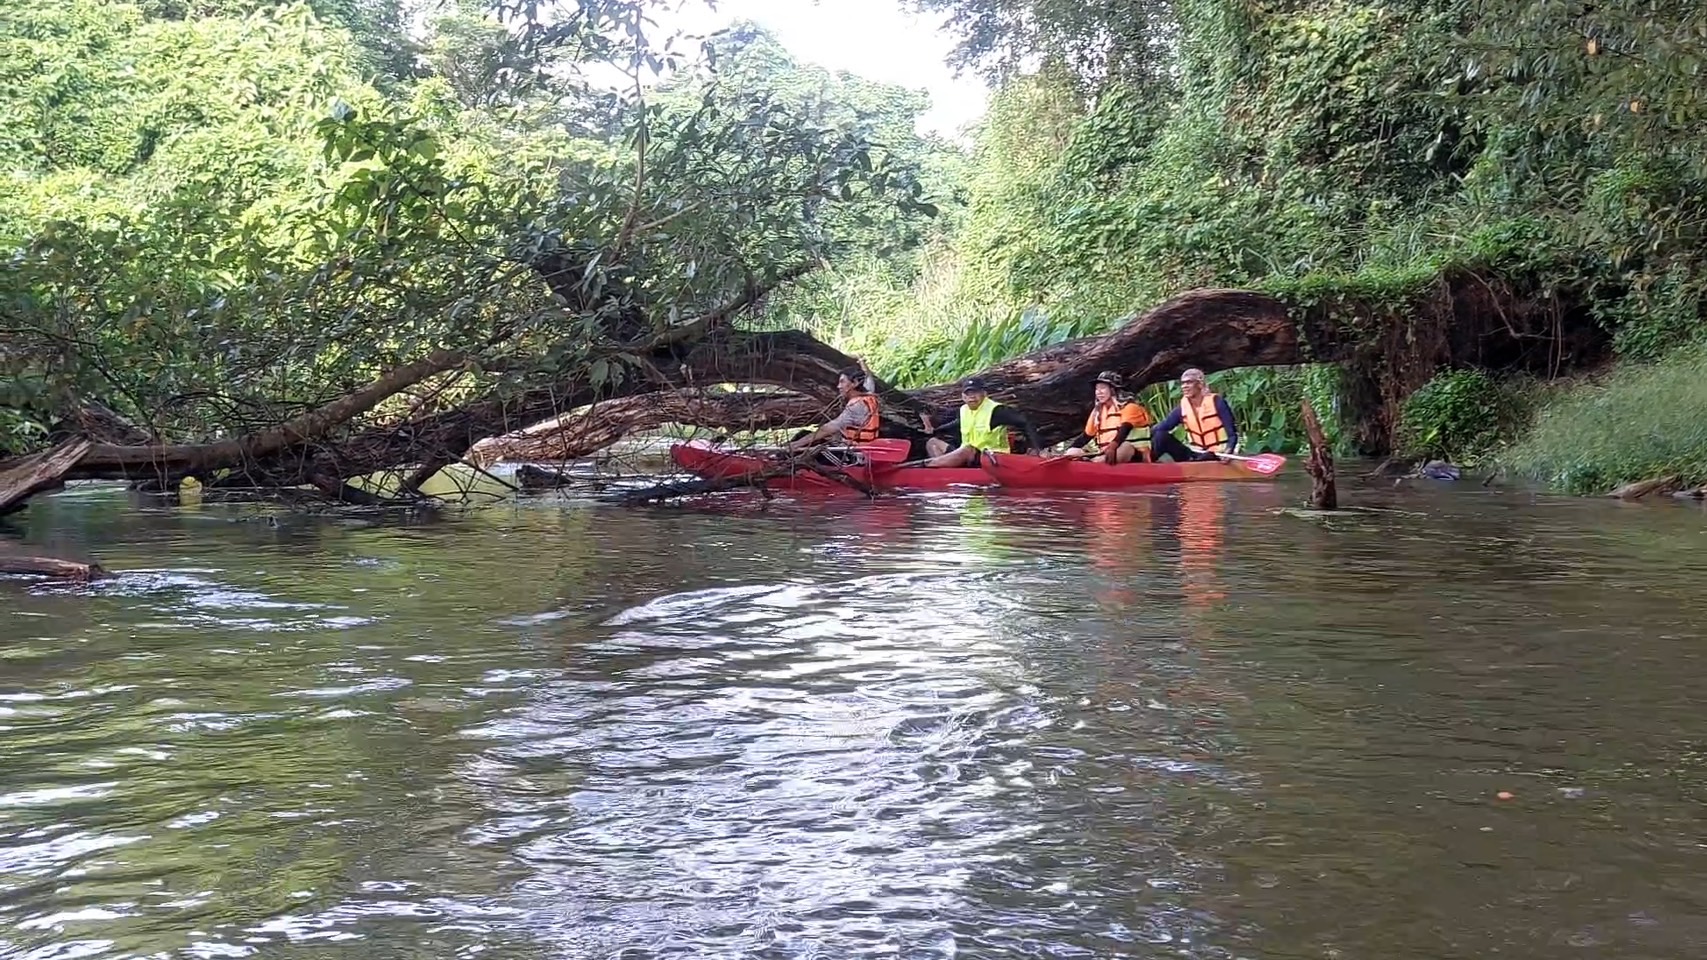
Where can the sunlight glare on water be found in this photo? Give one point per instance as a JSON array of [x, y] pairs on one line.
[[1171, 724]]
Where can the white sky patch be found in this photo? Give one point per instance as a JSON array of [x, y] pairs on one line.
[[874, 39]]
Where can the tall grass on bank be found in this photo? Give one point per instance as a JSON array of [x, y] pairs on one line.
[[1637, 423]]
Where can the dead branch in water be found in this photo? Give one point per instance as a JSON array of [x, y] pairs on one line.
[[1320, 464], [51, 567], [1643, 488]]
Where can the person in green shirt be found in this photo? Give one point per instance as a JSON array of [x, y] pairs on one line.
[[983, 426]]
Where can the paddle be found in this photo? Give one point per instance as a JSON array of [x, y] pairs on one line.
[[1263, 463]]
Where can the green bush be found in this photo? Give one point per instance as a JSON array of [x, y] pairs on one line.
[[1460, 416]]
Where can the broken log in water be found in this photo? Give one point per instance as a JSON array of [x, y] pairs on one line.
[[27, 476], [688, 488], [1320, 464], [51, 567], [1643, 488], [532, 477]]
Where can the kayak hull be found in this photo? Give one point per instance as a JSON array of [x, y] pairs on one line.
[[1014, 471], [930, 478], [1028, 473], [709, 463]]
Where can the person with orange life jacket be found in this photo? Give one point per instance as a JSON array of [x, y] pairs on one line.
[[859, 419], [1207, 419], [1115, 428]]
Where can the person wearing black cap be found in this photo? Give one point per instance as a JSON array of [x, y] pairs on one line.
[[1117, 427], [983, 425]]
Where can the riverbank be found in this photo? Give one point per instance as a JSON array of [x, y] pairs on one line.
[[1633, 424]]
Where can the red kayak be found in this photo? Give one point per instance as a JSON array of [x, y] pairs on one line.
[[704, 460], [880, 465], [929, 478], [1067, 474]]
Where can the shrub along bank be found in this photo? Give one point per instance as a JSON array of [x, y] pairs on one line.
[[1639, 422]]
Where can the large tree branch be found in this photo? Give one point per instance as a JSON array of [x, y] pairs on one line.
[[575, 435], [1463, 321]]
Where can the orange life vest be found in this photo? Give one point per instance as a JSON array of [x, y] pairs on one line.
[[865, 430], [1203, 423], [1106, 420]]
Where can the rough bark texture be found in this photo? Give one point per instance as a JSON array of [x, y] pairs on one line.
[[1320, 464], [1643, 488], [24, 477], [576, 435], [51, 567]]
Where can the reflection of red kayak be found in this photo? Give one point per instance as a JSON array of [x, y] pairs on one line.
[[1063, 474]]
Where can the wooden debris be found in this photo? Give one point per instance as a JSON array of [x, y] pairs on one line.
[[539, 478], [1642, 488], [26, 476], [50, 567], [1320, 464]]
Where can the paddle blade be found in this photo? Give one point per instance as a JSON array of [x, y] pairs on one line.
[[886, 450], [1263, 463]]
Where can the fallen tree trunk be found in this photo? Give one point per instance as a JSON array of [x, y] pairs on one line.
[[28, 476], [579, 434], [50, 567], [1465, 322], [1643, 488], [1210, 329]]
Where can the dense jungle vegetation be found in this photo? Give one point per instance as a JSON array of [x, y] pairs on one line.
[[224, 216]]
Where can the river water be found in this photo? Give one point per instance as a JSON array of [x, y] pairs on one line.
[[1168, 725]]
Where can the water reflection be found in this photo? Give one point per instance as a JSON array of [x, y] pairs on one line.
[[973, 725]]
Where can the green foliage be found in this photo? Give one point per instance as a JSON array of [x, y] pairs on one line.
[[1641, 421], [216, 222], [1099, 41], [1460, 416], [1345, 153]]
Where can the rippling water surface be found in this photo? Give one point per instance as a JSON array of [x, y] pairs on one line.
[[1168, 725]]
